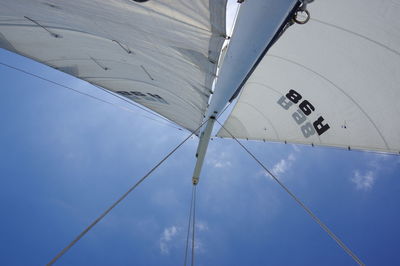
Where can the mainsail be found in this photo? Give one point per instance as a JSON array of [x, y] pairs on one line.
[[161, 54], [333, 81]]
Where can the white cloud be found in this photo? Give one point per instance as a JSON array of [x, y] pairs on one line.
[[172, 235], [164, 248], [198, 246], [219, 160], [283, 165], [363, 182], [220, 164], [295, 147], [378, 160], [376, 164], [166, 237], [201, 226]]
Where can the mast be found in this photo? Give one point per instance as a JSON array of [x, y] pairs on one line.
[[248, 45], [202, 149]]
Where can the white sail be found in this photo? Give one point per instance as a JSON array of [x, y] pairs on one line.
[[334, 81], [162, 54]]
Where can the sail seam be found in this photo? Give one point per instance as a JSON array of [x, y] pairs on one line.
[[339, 89], [265, 117], [358, 35], [43, 27]]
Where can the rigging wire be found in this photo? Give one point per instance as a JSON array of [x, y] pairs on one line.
[[312, 215], [98, 219], [192, 215], [94, 97], [87, 229], [193, 221], [189, 227]]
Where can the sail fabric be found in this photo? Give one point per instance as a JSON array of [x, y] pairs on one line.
[[334, 81], [162, 54]]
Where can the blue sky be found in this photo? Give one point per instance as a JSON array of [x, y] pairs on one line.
[[65, 157]]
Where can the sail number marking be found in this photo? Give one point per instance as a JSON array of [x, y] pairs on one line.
[[305, 108], [137, 95]]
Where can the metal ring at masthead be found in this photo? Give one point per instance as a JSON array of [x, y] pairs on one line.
[[299, 21]]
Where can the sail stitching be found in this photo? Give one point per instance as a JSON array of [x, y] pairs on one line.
[[97, 63], [264, 116], [358, 35], [43, 27], [339, 89], [126, 49]]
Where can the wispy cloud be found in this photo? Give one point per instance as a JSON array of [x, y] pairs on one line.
[[166, 237], [363, 181], [173, 234], [295, 147], [220, 164], [283, 165], [377, 164], [199, 246], [201, 226], [219, 160]]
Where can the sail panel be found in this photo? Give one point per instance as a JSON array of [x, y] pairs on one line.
[[333, 81], [160, 54]]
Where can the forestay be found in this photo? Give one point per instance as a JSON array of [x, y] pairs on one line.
[[161, 54], [333, 81]]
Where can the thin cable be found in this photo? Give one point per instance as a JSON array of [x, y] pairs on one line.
[[189, 226], [63, 251], [313, 216], [193, 221], [193, 213], [93, 97], [53, 82]]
